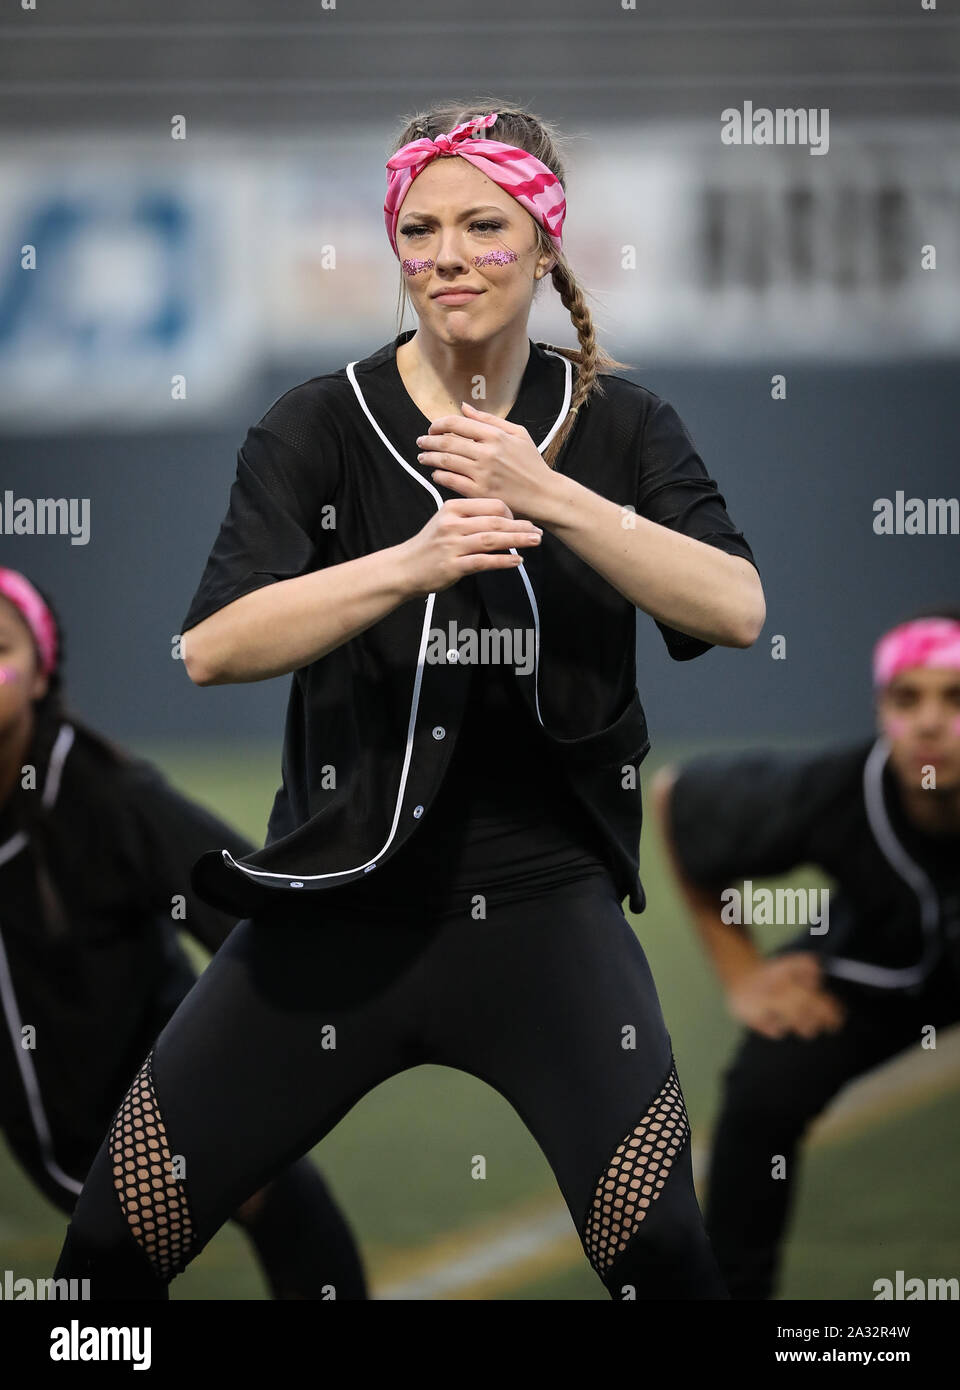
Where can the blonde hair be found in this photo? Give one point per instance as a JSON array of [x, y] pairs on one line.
[[517, 127]]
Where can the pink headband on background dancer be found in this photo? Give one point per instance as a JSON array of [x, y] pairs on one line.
[[933, 642], [518, 173], [24, 597]]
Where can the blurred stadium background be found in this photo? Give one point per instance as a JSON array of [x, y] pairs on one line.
[[251, 256]]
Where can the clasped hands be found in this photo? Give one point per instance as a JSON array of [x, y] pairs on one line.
[[481, 455]]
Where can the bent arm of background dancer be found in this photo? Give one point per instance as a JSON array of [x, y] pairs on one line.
[[773, 997]]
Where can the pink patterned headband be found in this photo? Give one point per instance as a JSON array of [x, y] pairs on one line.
[[21, 593], [933, 642], [518, 173]]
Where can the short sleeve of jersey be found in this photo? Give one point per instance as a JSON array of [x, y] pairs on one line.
[[761, 813], [278, 516], [675, 490]]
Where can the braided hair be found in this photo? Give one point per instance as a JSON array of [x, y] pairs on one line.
[[515, 126]]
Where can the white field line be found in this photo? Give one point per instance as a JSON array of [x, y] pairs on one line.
[[911, 1076], [521, 1241]]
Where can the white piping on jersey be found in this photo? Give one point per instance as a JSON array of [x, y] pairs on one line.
[[51, 787], [62, 746], [11, 1008], [424, 635], [13, 846], [567, 392], [28, 1076], [912, 874]]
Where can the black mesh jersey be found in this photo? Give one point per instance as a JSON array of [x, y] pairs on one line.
[[764, 812], [117, 841], [505, 825], [331, 473]]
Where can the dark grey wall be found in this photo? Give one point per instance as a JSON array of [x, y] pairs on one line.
[[800, 477], [243, 64]]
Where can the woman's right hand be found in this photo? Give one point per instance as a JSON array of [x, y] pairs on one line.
[[785, 995], [467, 534]]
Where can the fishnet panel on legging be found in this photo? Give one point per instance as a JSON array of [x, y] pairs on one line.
[[152, 1198], [636, 1175]]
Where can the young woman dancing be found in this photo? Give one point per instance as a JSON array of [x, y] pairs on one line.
[[454, 587], [95, 848]]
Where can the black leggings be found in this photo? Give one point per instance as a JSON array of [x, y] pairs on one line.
[[550, 1001], [285, 1223], [773, 1090]]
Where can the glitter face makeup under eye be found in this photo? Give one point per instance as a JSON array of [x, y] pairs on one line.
[[414, 267], [497, 257], [9, 675], [955, 725], [896, 725]]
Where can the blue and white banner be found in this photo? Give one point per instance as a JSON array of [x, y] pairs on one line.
[[146, 282]]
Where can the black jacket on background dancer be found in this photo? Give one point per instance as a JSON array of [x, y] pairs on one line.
[[458, 821], [95, 852], [829, 1005]]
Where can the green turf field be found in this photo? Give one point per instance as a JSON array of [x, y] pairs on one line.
[[877, 1199]]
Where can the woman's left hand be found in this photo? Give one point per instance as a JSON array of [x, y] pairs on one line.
[[481, 455]]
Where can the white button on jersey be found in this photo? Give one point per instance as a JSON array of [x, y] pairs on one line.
[[453, 654], [417, 812], [439, 732]]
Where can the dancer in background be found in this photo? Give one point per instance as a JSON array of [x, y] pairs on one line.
[[95, 851], [881, 817]]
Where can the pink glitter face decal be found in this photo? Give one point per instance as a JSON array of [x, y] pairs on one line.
[[496, 258], [412, 267], [9, 675], [896, 725], [955, 725]]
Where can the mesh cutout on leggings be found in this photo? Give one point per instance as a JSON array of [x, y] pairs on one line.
[[152, 1199], [636, 1175]]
